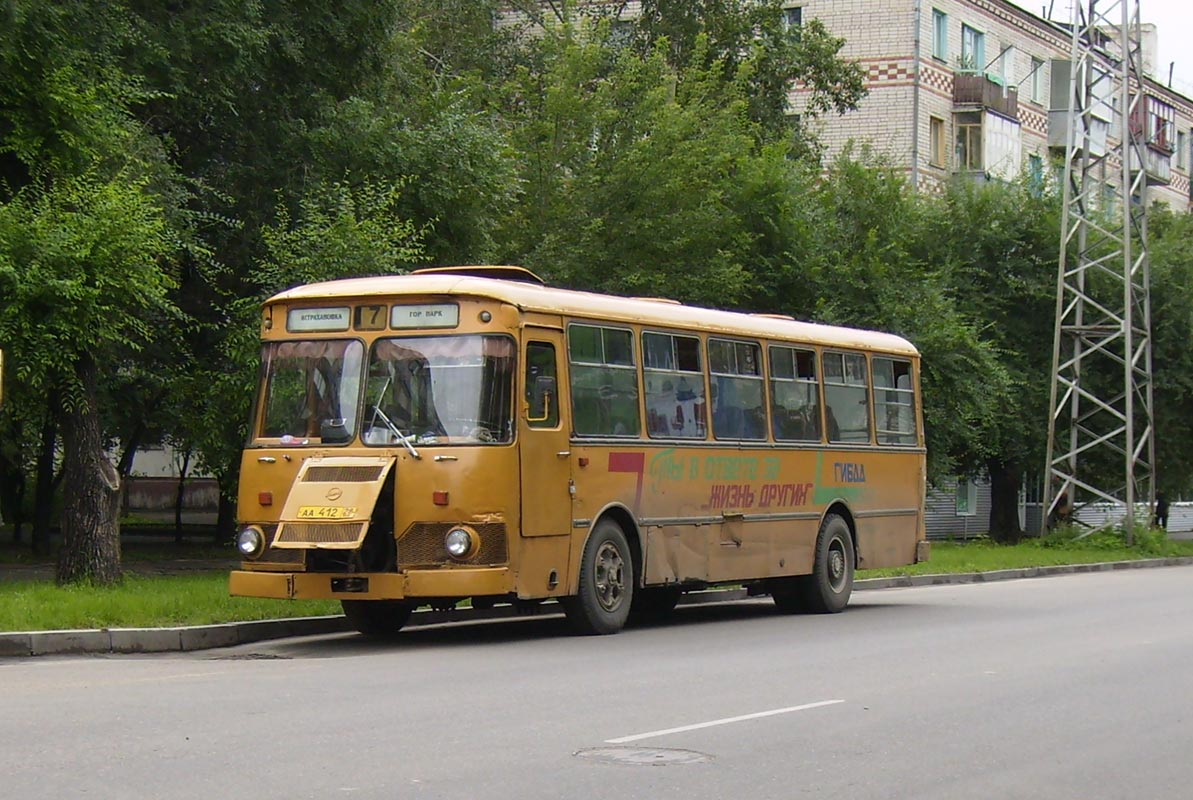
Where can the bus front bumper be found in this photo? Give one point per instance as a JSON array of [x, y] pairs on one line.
[[414, 584]]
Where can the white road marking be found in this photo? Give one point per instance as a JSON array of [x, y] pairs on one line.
[[725, 721]]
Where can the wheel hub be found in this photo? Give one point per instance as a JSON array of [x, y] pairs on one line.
[[610, 576]]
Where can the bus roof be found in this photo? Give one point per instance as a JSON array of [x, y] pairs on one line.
[[529, 296]]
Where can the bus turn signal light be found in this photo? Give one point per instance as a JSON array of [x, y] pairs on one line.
[[439, 498], [265, 498]]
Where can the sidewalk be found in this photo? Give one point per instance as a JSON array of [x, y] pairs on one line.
[[201, 637]]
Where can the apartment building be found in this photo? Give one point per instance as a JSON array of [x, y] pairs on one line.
[[980, 87]]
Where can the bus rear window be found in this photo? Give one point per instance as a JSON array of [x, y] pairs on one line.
[[894, 401]]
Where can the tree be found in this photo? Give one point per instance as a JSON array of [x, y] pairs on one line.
[[1171, 261], [997, 243], [752, 42], [340, 231], [85, 242], [639, 177], [863, 265], [79, 273]]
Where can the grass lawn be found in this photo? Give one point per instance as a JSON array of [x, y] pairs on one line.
[[202, 597]]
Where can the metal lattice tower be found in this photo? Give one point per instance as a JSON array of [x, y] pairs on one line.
[[1101, 399]]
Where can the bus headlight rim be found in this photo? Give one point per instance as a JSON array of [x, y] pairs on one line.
[[250, 542], [461, 542]]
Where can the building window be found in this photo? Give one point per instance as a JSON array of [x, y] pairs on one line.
[[621, 33], [1182, 153], [1035, 173], [973, 49], [793, 18], [940, 35], [967, 498], [938, 156], [1037, 80], [968, 142], [1004, 64]]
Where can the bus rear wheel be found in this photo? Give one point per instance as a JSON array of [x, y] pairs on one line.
[[827, 589], [377, 617], [606, 586]]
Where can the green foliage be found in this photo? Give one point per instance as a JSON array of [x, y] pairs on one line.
[[864, 264], [985, 555], [1147, 540], [747, 42], [1171, 258], [999, 244], [341, 231], [140, 601], [639, 178], [80, 272]]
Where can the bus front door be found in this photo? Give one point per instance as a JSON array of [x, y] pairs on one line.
[[544, 449]]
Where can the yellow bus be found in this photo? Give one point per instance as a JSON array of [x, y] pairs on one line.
[[470, 434]]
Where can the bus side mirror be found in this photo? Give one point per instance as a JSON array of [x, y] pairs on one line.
[[541, 395]]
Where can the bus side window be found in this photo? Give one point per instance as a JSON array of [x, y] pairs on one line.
[[795, 408], [894, 401], [738, 405], [542, 386], [604, 381], [847, 397]]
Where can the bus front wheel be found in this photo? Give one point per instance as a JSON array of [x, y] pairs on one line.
[[827, 589], [606, 586], [377, 617]]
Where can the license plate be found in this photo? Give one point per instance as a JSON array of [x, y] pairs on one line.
[[326, 512]]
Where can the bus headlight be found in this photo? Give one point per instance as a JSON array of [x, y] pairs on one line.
[[461, 542], [251, 542]]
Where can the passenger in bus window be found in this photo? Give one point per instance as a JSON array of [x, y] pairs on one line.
[[834, 430]]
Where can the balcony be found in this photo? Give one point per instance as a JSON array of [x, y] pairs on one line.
[[972, 89], [1157, 165], [987, 145], [1059, 136], [1153, 123]]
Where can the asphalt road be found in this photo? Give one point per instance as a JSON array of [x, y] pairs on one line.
[[1079, 686]]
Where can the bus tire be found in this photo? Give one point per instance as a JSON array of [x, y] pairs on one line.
[[653, 604], [827, 589], [606, 586], [377, 617]]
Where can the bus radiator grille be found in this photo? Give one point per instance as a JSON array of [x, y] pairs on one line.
[[316, 533], [290, 556], [342, 474], [422, 544]]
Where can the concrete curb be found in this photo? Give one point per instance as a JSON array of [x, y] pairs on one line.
[[203, 637]]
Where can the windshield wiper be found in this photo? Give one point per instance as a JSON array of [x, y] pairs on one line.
[[378, 413]]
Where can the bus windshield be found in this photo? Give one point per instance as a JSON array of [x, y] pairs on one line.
[[440, 390], [311, 391]]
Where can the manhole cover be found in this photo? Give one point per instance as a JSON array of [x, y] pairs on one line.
[[643, 756]]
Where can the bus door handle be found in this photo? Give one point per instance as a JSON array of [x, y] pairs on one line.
[[267, 459], [564, 453]]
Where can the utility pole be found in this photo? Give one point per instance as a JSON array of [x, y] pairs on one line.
[[1100, 423]]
